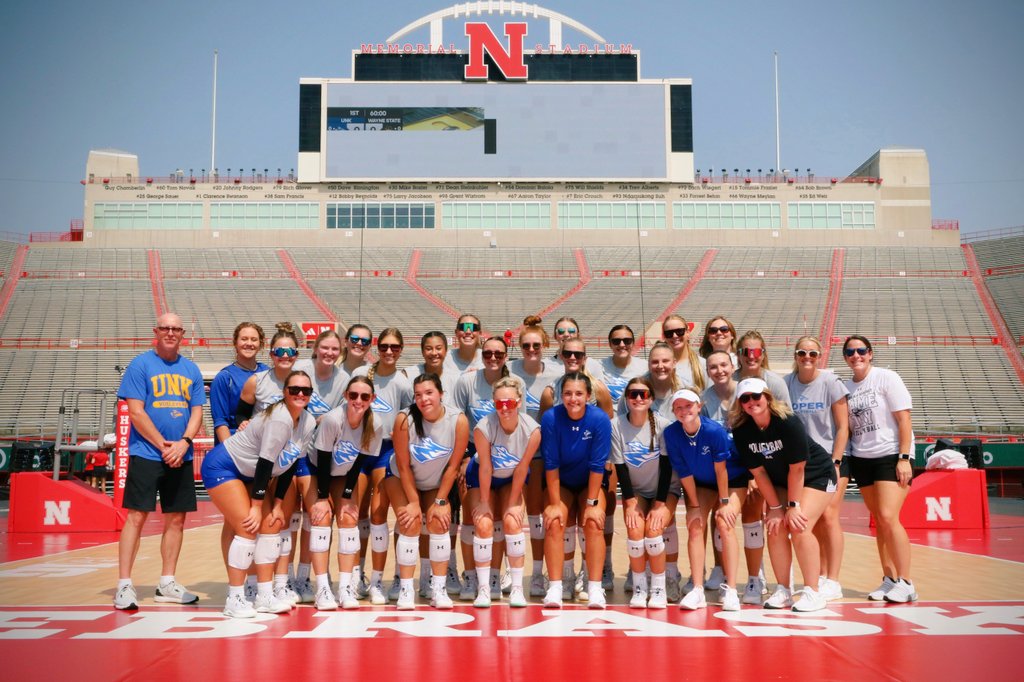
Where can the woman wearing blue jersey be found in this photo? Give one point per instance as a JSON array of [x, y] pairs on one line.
[[248, 340], [576, 442], [506, 441], [238, 474], [713, 479], [347, 435], [649, 498]]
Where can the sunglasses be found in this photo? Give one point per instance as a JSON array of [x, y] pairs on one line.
[[565, 330], [359, 340], [300, 390], [719, 330], [807, 353], [850, 352], [170, 330], [678, 331], [493, 354], [389, 347], [638, 394], [509, 404], [531, 346], [468, 327], [621, 341], [356, 395], [284, 352], [574, 354], [747, 397], [752, 353]]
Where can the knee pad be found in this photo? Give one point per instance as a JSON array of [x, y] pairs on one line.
[[716, 537], [499, 531], [466, 534], [515, 545], [307, 523], [286, 542], [635, 548], [320, 539], [440, 547], [407, 550], [481, 550], [241, 553], [609, 524], [671, 538], [268, 548], [348, 541], [536, 526], [570, 540], [379, 538], [364, 528], [656, 545], [753, 535], [296, 522]]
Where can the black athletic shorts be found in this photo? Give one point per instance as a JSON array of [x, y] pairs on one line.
[[146, 478], [826, 483], [865, 471], [577, 489]]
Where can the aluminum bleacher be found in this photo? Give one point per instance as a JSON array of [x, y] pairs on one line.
[[925, 307], [70, 259], [73, 309]]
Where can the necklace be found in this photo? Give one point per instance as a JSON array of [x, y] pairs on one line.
[[692, 437]]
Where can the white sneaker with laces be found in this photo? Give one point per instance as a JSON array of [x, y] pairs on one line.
[[285, 593], [361, 587], [126, 600], [440, 600], [580, 585], [305, 590], [781, 598], [693, 600], [810, 600], [452, 582], [553, 598], [538, 585], [495, 586], [596, 600], [516, 598], [607, 579], [174, 593], [483, 598], [469, 587], [238, 606], [658, 599], [639, 599], [268, 603], [395, 589], [325, 600], [347, 598], [830, 589], [729, 598], [673, 591], [879, 593], [753, 591], [902, 592], [506, 581], [377, 595], [406, 599], [716, 579]]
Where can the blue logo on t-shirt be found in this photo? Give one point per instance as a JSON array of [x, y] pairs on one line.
[[482, 409], [427, 451], [637, 453], [289, 454], [345, 452], [317, 406], [381, 406], [502, 459], [616, 386]]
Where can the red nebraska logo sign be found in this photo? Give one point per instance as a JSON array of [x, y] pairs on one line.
[[509, 61]]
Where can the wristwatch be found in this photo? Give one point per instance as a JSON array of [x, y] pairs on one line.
[[187, 439], [905, 456], [440, 502], [591, 502], [793, 504], [723, 501]]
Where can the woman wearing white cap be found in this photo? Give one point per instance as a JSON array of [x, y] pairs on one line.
[[713, 478], [797, 479]]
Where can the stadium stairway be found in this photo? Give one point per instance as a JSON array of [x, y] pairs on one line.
[[835, 288], [156, 280], [698, 274], [13, 275], [289, 265], [1006, 339]]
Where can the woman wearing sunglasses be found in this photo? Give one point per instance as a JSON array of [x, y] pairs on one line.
[[347, 436], [881, 456], [466, 353], [622, 365], [819, 399], [239, 473], [536, 374], [648, 497], [267, 387], [430, 441], [357, 346], [797, 479], [715, 483], [506, 441], [566, 328], [675, 331], [576, 442], [226, 389], [573, 353], [753, 358], [719, 335]]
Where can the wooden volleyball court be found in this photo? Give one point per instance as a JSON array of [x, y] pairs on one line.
[[57, 622]]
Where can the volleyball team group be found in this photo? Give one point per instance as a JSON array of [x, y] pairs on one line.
[[543, 451]]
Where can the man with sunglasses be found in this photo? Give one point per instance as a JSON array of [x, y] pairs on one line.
[[165, 396]]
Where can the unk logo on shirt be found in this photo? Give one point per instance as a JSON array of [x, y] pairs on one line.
[[427, 451], [289, 454], [482, 409], [317, 406], [616, 386], [502, 459], [345, 452], [636, 453], [532, 403], [381, 406]]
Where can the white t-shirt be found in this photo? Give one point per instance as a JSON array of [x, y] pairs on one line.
[[813, 403], [873, 429]]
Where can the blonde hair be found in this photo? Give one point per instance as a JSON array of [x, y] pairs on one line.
[[692, 358], [756, 336], [738, 416], [812, 339], [508, 382], [661, 345]]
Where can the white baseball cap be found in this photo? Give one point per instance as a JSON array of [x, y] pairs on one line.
[[686, 394], [751, 385]]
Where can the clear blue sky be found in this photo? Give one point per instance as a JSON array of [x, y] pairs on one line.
[[854, 77]]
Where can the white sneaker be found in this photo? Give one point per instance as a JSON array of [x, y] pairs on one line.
[[238, 606], [693, 600], [126, 600], [506, 582], [395, 589], [305, 590], [607, 579], [830, 589], [538, 585], [452, 582], [638, 600], [469, 587], [810, 600], [325, 600], [579, 587], [406, 599], [347, 598], [673, 591], [753, 591], [268, 603], [285, 593], [902, 592], [553, 598], [596, 600], [377, 595], [781, 598], [483, 598], [174, 593], [495, 586], [882, 590], [362, 588], [729, 598], [716, 579], [628, 584], [516, 598], [439, 599]]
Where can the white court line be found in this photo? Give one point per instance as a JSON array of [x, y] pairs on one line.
[[943, 549]]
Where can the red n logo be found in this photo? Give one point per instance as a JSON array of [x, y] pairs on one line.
[[510, 63]]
